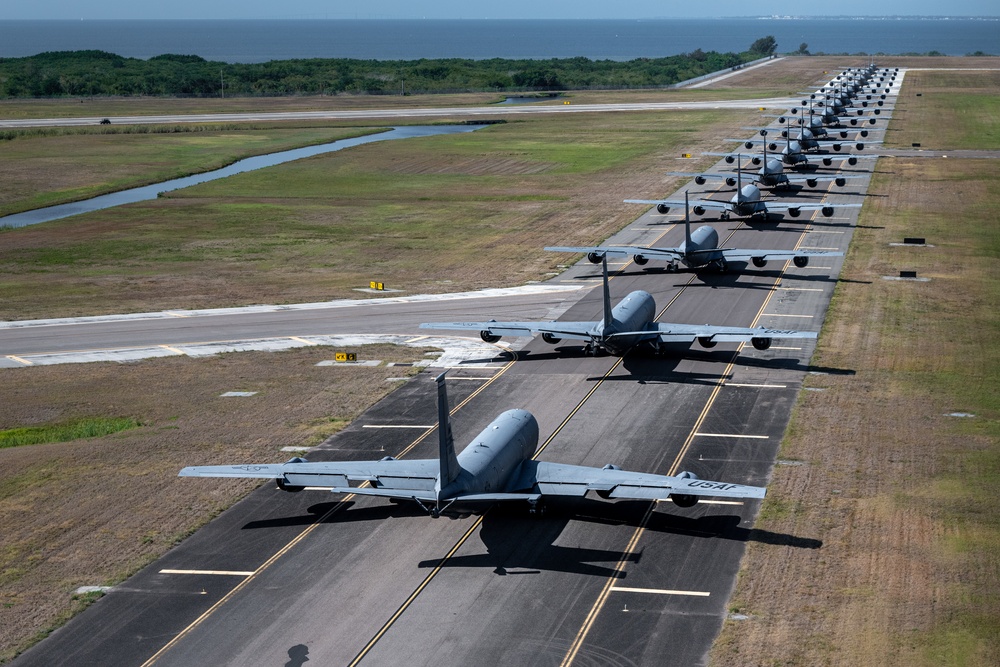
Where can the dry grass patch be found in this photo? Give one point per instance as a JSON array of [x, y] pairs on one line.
[[61, 504], [901, 495]]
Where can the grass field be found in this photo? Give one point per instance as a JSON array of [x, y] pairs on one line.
[[901, 493], [46, 167], [61, 504], [955, 110], [413, 214]]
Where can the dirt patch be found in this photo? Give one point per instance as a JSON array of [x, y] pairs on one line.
[[61, 504]]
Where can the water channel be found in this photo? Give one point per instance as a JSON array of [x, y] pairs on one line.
[[148, 192]]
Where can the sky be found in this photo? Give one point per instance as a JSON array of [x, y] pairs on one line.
[[443, 9]]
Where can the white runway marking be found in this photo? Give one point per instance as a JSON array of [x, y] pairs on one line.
[[761, 386], [802, 289], [423, 426], [719, 502], [228, 573], [733, 435], [660, 591], [785, 315]]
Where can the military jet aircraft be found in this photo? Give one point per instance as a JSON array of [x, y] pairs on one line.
[[745, 203], [496, 467], [625, 327], [700, 249], [771, 174], [793, 154]]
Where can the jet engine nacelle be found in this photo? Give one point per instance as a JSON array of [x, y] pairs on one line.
[[756, 161], [759, 262], [812, 182], [827, 161], [843, 134], [682, 499], [827, 211], [784, 133], [772, 146], [707, 342], [662, 209], [640, 260], [837, 147], [860, 146], [763, 133], [488, 337], [700, 180], [852, 160], [760, 343], [285, 486], [749, 145], [698, 210], [730, 159], [864, 133], [594, 257], [801, 262], [550, 339], [795, 211], [841, 182], [877, 112], [730, 181]]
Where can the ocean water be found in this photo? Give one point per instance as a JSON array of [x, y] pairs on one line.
[[246, 41]]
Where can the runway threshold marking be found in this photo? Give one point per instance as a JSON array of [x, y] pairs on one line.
[[305, 533], [660, 591], [462, 540], [19, 360], [602, 598]]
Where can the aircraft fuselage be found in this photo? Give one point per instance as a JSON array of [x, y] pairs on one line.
[[491, 462], [633, 313]]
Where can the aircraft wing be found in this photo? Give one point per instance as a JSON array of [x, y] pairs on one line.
[[706, 176], [708, 204], [688, 333], [570, 330], [623, 251], [805, 178], [558, 479], [389, 476], [776, 206], [743, 254]]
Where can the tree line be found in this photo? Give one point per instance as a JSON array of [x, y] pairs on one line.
[[98, 73]]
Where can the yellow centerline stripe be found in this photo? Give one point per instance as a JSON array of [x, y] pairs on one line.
[[413, 596], [301, 536], [641, 528]]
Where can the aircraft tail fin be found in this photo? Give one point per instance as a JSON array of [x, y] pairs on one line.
[[446, 443], [608, 317], [687, 222]]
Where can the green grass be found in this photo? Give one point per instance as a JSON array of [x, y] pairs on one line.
[[409, 213], [43, 168], [955, 110], [88, 427]]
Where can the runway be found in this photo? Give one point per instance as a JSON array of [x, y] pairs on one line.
[[398, 114], [284, 578]]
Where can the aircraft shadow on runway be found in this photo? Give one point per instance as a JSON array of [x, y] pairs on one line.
[[517, 543]]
